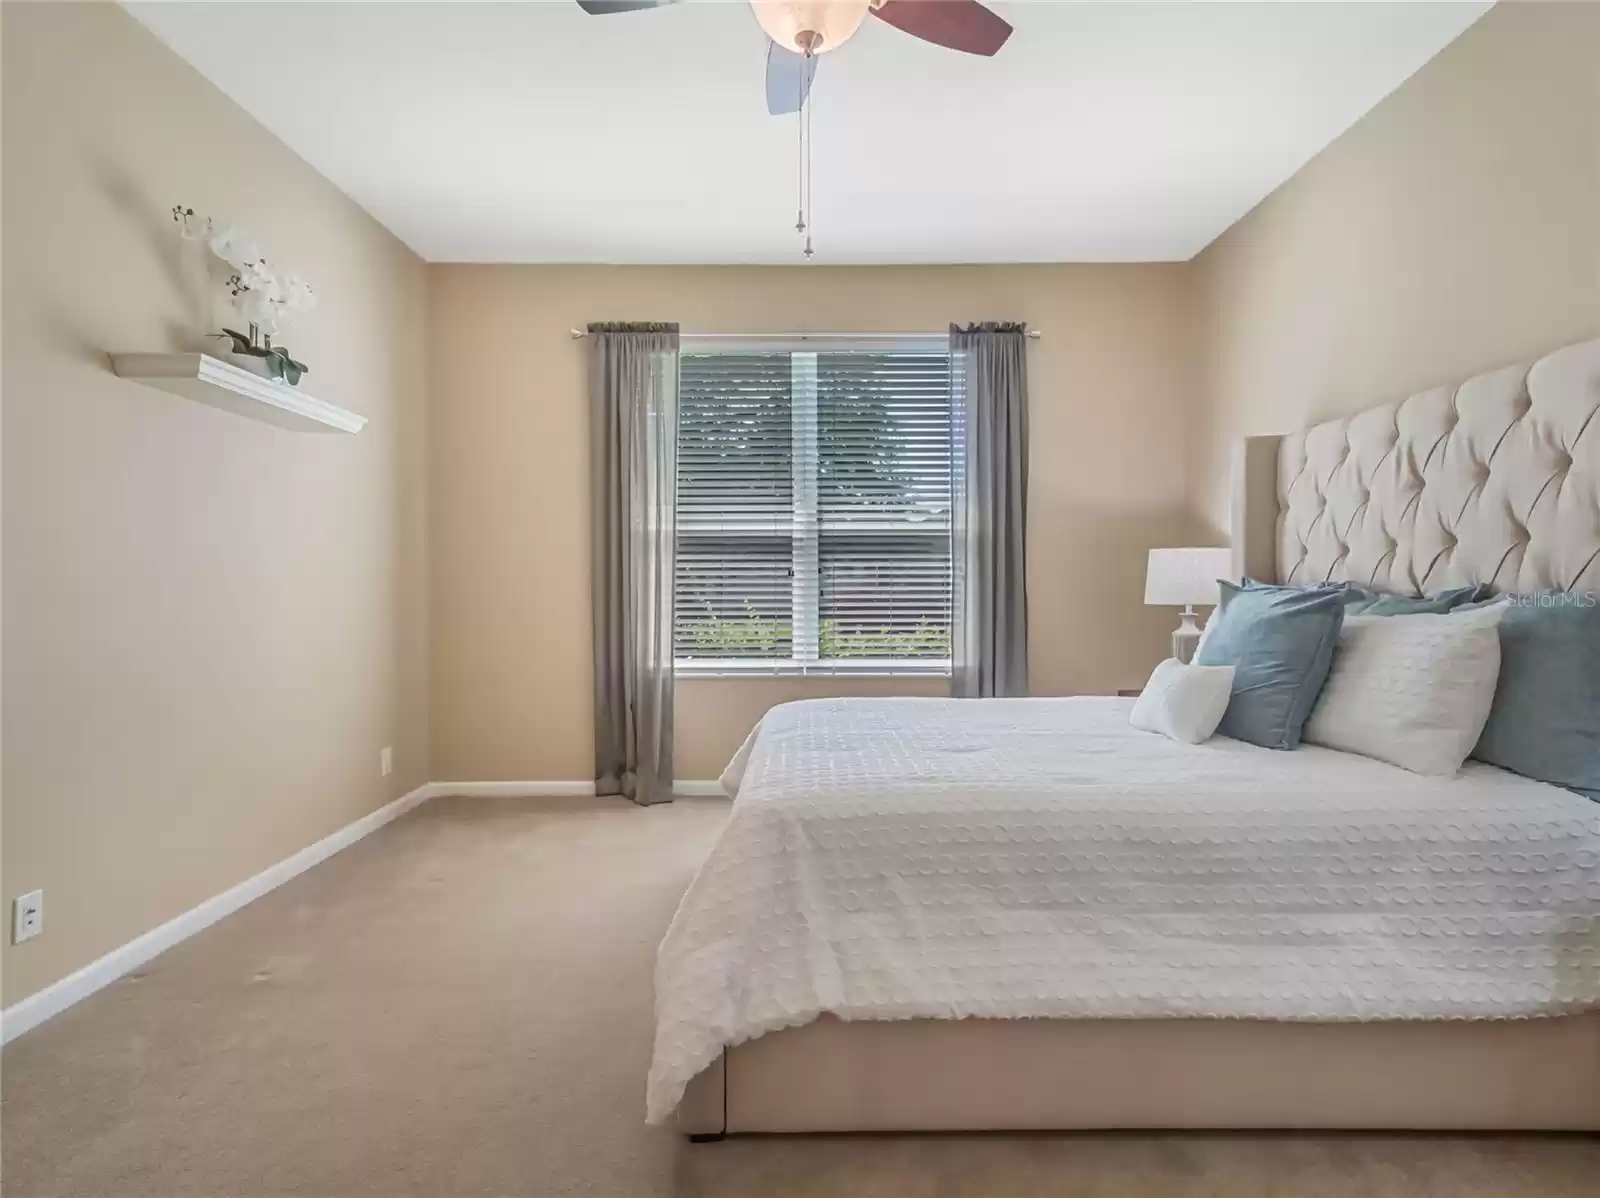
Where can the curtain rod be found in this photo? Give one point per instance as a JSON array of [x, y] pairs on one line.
[[579, 334]]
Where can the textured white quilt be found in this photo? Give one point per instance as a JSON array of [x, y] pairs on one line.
[[897, 858]]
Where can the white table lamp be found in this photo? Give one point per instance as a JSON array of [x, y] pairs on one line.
[[1183, 578]]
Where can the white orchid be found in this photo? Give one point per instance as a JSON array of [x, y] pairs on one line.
[[297, 295], [234, 246], [262, 296], [272, 302]]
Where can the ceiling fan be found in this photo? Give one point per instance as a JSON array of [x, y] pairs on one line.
[[802, 29]]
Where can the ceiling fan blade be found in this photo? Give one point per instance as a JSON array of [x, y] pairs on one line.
[[963, 25], [789, 77], [600, 8]]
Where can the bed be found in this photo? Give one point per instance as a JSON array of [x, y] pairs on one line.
[[1023, 914]]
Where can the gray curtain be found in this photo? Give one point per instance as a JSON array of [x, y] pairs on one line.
[[633, 433], [989, 394]]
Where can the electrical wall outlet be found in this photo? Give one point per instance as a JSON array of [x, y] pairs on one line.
[[27, 916], [386, 761]]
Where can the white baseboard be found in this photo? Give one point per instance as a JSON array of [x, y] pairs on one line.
[[709, 788], [515, 790], [30, 1012], [547, 790]]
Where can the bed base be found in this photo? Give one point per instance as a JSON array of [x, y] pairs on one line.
[[1068, 1075]]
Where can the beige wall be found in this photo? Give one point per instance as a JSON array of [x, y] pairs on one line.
[[1455, 228], [211, 626], [1110, 386]]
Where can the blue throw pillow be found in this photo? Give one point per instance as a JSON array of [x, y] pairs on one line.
[[1280, 642], [1545, 722], [1299, 588], [1366, 602]]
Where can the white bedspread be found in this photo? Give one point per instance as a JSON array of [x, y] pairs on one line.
[[896, 858]]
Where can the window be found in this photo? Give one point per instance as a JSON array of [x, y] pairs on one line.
[[814, 489]]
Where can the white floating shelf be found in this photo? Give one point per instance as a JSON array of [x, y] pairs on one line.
[[223, 385]]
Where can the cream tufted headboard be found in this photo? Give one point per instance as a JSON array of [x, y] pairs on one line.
[[1496, 480]]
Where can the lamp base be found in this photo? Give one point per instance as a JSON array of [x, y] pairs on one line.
[[1186, 637]]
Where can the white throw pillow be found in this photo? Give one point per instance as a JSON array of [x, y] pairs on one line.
[[1183, 702], [1414, 691]]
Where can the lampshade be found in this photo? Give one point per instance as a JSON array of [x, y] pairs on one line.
[[788, 22], [1183, 577]]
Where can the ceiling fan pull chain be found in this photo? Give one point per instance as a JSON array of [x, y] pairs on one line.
[[810, 67], [800, 149]]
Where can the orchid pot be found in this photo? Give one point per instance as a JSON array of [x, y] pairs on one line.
[[259, 356]]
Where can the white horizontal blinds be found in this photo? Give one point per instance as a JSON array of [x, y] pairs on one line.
[[735, 560], [813, 507], [883, 505], [803, 381]]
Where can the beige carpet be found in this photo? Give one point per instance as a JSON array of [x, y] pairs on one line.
[[460, 1005]]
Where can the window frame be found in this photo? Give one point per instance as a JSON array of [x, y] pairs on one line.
[[807, 574]]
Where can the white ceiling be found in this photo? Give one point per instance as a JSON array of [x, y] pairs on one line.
[[532, 132]]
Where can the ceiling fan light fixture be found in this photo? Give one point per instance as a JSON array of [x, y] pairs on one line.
[[810, 26]]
